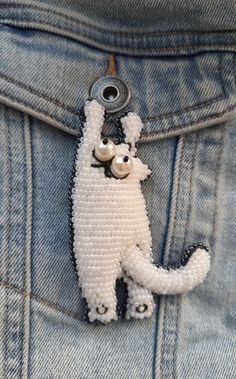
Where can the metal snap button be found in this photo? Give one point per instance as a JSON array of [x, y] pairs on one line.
[[111, 92]]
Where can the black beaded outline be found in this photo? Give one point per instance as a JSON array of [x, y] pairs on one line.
[[183, 261], [185, 256], [82, 118], [120, 308], [116, 121]]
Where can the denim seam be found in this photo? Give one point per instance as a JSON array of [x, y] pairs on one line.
[[86, 40], [53, 118], [149, 136], [24, 237], [219, 167], [163, 337], [34, 92], [179, 298], [149, 118], [9, 324], [164, 133], [7, 257], [184, 110], [234, 68], [215, 208], [41, 300], [10, 187], [193, 162], [119, 33], [9, 208], [170, 256], [28, 226], [143, 134], [197, 105], [169, 243], [177, 325], [24, 191]]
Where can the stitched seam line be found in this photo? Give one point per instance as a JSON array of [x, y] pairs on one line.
[[193, 163], [169, 248], [95, 27], [9, 211], [177, 322], [28, 236], [150, 118], [184, 110], [234, 68], [41, 300], [164, 132], [34, 92], [198, 105], [176, 209], [143, 135], [179, 298], [53, 118], [24, 219], [219, 167], [129, 49]]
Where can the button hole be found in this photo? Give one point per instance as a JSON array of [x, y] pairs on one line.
[[111, 69]]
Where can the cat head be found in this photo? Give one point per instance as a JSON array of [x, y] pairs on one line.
[[117, 160]]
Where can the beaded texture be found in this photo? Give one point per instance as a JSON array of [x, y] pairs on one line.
[[112, 238]]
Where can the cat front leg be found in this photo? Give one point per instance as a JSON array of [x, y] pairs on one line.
[[140, 303]]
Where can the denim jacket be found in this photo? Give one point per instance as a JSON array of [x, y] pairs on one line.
[[179, 61]]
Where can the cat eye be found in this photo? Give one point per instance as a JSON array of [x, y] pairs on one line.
[[105, 150], [121, 166]]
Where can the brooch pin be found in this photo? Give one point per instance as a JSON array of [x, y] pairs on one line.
[[112, 238]]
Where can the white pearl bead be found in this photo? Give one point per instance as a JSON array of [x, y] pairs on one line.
[[121, 166], [105, 150]]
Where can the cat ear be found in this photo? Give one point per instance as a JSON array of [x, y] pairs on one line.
[[132, 126]]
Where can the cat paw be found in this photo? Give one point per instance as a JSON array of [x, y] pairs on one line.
[[102, 314], [143, 308]]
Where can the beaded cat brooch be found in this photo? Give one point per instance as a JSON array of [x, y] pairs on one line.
[[112, 238]]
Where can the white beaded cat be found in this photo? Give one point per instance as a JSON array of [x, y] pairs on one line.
[[112, 238]]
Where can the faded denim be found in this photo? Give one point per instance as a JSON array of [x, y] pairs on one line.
[[179, 62]]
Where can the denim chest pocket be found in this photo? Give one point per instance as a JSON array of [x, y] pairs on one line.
[[187, 104], [46, 87]]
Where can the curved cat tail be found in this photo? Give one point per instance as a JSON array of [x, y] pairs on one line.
[[170, 281]]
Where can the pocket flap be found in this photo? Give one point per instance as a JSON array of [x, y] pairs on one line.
[[49, 77]]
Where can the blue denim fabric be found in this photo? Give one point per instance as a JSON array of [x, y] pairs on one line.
[[179, 61]]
